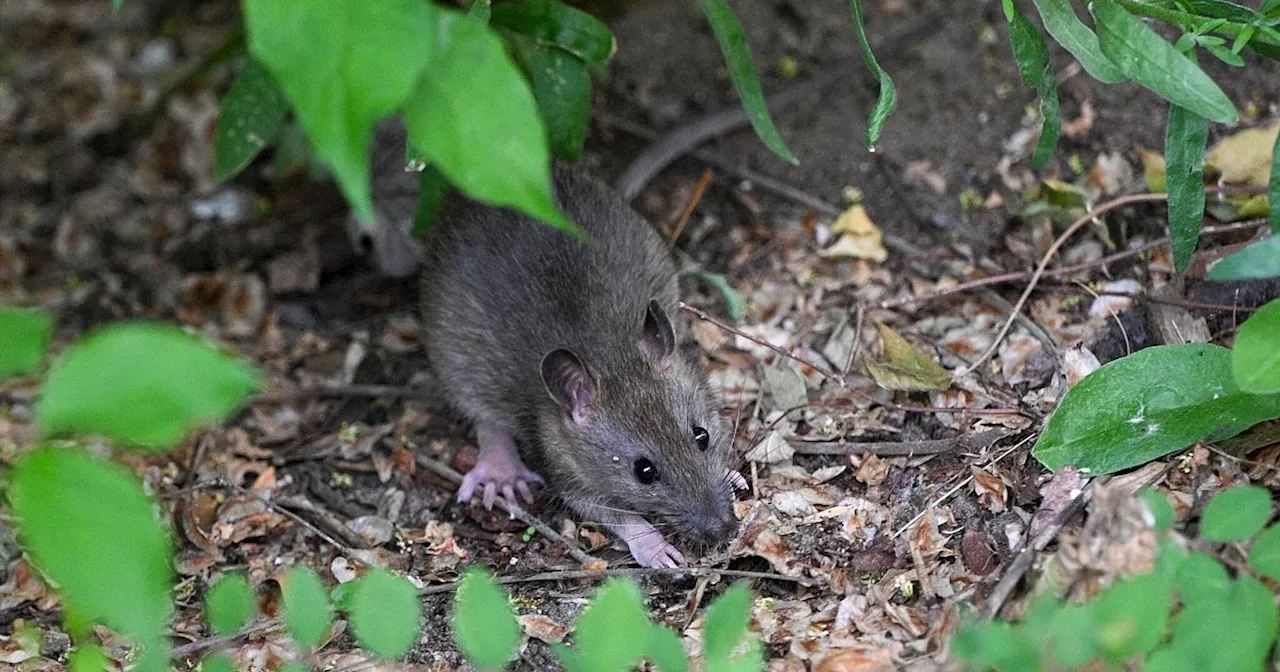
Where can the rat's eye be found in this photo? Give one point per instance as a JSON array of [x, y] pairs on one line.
[[702, 438], [646, 473]]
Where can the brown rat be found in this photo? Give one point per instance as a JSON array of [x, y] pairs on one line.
[[564, 351]]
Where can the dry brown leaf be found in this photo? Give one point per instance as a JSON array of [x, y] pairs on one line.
[[859, 239], [991, 489], [868, 659], [541, 627], [873, 469]]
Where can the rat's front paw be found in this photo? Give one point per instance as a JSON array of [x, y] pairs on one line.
[[651, 550], [499, 476]]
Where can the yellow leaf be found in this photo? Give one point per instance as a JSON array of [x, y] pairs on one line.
[[905, 368], [1153, 170], [859, 239], [1244, 158]]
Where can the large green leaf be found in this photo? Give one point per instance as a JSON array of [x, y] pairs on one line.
[[742, 70], [1131, 615], [1032, 57], [1264, 554], [726, 621], [24, 336], [887, 101], [484, 624], [141, 383], [556, 24], [562, 88], [666, 651], [1149, 404], [474, 115], [1061, 22], [1146, 58], [1185, 138], [1258, 261], [611, 631], [344, 65], [252, 114], [89, 525], [1232, 630], [1273, 189], [385, 613], [1255, 358], [306, 610]]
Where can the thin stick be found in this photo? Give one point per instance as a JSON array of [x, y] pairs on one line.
[[515, 510], [1065, 270], [687, 212], [633, 572], [702, 315]]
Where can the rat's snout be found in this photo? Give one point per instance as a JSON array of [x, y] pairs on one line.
[[711, 526]]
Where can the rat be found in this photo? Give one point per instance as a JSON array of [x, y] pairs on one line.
[[563, 352]]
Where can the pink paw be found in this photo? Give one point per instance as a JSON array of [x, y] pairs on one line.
[[499, 476], [651, 550]]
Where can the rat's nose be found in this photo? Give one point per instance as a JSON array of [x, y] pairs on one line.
[[714, 525]]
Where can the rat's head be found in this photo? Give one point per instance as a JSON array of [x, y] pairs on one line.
[[641, 434]]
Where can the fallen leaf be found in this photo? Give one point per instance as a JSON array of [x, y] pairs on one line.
[[1153, 170], [904, 368], [774, 448], [859, 239], [1243, 158], [543, 628]]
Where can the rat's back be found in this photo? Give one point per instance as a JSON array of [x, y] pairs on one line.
[[501, 290]]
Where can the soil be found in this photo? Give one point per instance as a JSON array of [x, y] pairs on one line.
[[96, 222]]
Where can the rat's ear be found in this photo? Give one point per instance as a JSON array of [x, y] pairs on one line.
[[568, 381], [659, 336]]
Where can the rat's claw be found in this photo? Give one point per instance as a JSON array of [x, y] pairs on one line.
[[737, 480], [490, 494], [524, 491]]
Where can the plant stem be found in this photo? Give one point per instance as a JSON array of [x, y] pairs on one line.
[[1175, 17]]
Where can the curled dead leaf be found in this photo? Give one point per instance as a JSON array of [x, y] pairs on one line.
[[859, 237], [904, 368]]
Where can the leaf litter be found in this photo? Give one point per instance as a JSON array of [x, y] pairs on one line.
[[321, 470]]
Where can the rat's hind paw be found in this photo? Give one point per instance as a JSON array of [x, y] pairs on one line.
[[499, 470]]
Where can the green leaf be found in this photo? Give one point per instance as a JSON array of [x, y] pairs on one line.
[[229, 604], [735, 304], [1145, 57], [252, 114], [385, 613], [666, 650], [996, 645], [1161, 509], [1235, 514], [1131, 615], [1185, 138], [742, 70], [90, 527], [1149, 404], [555, 24], [1032, 56], [1273, 190], [24, 337], [1264, 555], [1225, 55], [484, 624], [887, 101], [606, 630], [87, 657], [726, 621], [433, 188], [344, 65], [473, 114], [480, 10], [217, 663], [1260, 260], [306, 611], [1067, 29], [141, 383], [562, 88], [1201, 577], [1232, 631], [1255, 358], [1073, 636]]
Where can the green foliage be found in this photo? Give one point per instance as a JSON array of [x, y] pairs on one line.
[[1149, 404], [141, 383], [742, 70], [1161, 510], [1185, 138], [87, 657], [449, 117], [24, 336], [1236, 514], [306, 611], [1258, 261], [1255, 357], [726, 622], [1143, 56], [606, 630], [1264, 555], [253, 113], [1065, 27], [90, 527], [1222, 623], [484, 624], [217, 663], [1273, 191], [1036, 71], [385, 613], [338, 81], [887, 101], [229, 604]]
